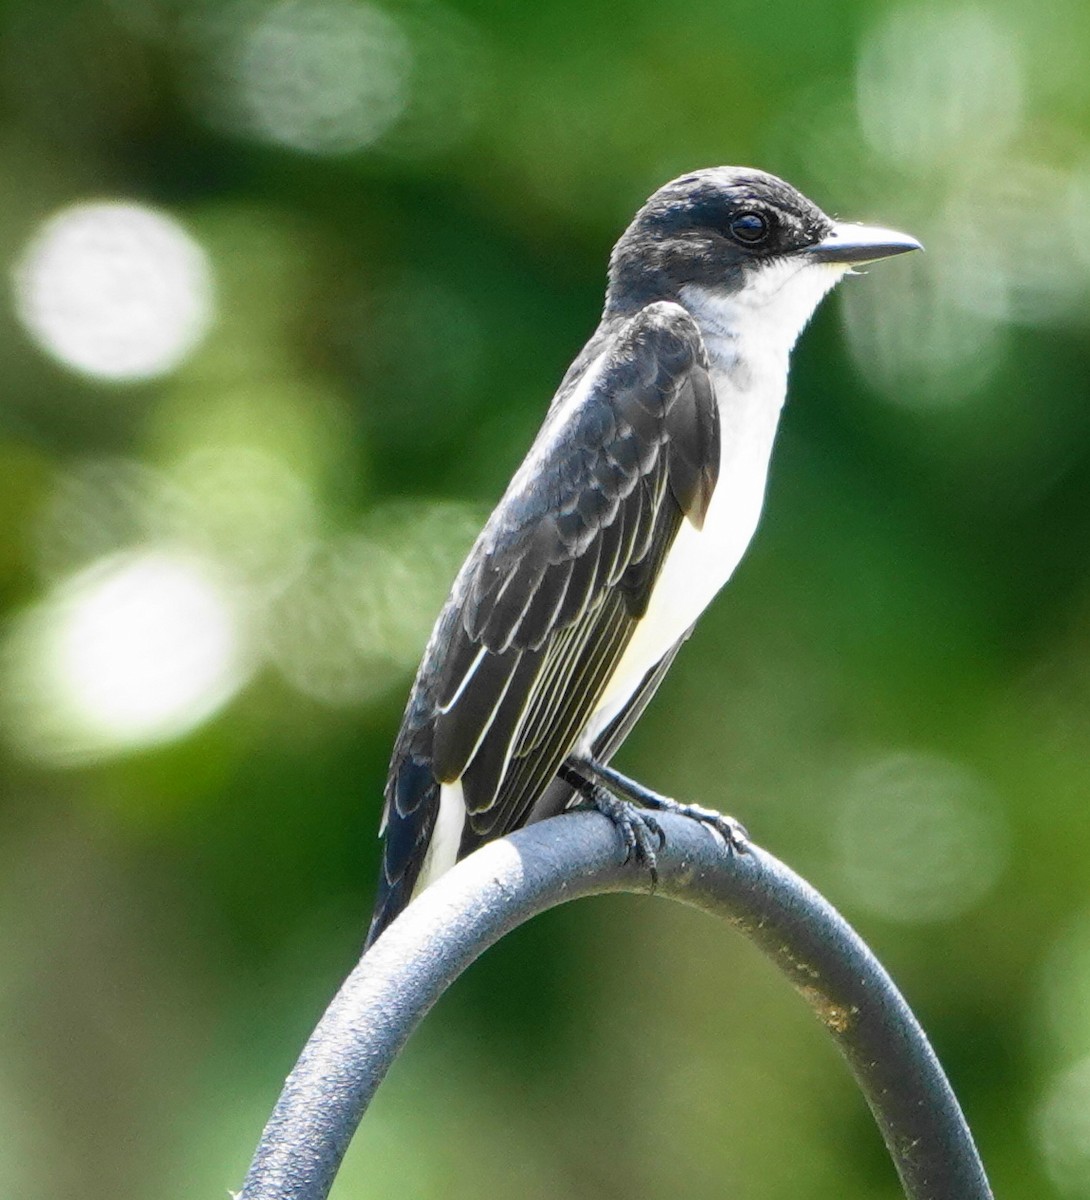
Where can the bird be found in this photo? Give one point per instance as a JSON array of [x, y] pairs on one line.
[[633, 507]]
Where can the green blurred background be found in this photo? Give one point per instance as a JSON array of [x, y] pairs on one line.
[[288, 284]]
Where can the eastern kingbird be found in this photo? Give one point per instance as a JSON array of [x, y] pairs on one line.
[[631, 510]]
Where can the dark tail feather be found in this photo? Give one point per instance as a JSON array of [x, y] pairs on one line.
[[409, 823], [391, 899]]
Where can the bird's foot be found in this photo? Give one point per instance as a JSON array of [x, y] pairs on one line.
[[638, 829], [731, 831]]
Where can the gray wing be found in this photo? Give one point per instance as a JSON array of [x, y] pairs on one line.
[[558, 795], [545, 606]]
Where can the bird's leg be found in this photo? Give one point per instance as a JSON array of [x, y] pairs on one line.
[[638, 829], [730, 830]]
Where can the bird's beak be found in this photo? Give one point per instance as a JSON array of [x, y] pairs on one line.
[[855, 244]]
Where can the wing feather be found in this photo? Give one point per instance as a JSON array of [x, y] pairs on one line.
[[482, 776], [529, 773], [461, 727], [540, 617], [547, 602]]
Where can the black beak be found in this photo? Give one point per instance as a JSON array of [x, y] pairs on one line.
[[855, 244]]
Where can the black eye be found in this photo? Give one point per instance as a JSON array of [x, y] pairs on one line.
[[749, 227]]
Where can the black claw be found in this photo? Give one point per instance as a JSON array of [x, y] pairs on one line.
[[655, 828], [733, 834], [638, 829], [626, 804], [731, 831]]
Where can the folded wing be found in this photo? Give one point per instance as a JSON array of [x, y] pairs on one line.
[[547, 602]]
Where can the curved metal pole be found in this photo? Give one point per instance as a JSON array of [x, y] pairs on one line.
[[508, 881]]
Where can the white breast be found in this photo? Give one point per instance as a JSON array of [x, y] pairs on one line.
[[748, 343]]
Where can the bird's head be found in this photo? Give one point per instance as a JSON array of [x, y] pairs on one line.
[[742, 237]]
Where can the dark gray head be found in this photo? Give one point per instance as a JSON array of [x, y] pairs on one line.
[[718, 228]]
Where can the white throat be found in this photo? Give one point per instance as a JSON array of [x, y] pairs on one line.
[[763, 321]]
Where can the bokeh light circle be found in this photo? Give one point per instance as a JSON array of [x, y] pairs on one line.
[[352, 625], [136, 650], [918, 838], [934, 84], [1065, 989], [1062, 1127], [917, 343], [320, 76], [115, 290]]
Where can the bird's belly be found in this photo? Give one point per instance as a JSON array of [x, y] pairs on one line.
[[698, 564]]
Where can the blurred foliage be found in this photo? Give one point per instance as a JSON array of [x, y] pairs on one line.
[[290, 284]]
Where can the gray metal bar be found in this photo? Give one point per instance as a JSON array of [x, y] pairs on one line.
[[578, 854]]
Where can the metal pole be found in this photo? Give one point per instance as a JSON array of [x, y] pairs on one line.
[[504, 884]]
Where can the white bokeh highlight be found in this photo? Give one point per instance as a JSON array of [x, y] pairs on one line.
[[937, 84], [146, 647], [114, 290], [136, 650], [338, 77], [320, 76], [961, 150]]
